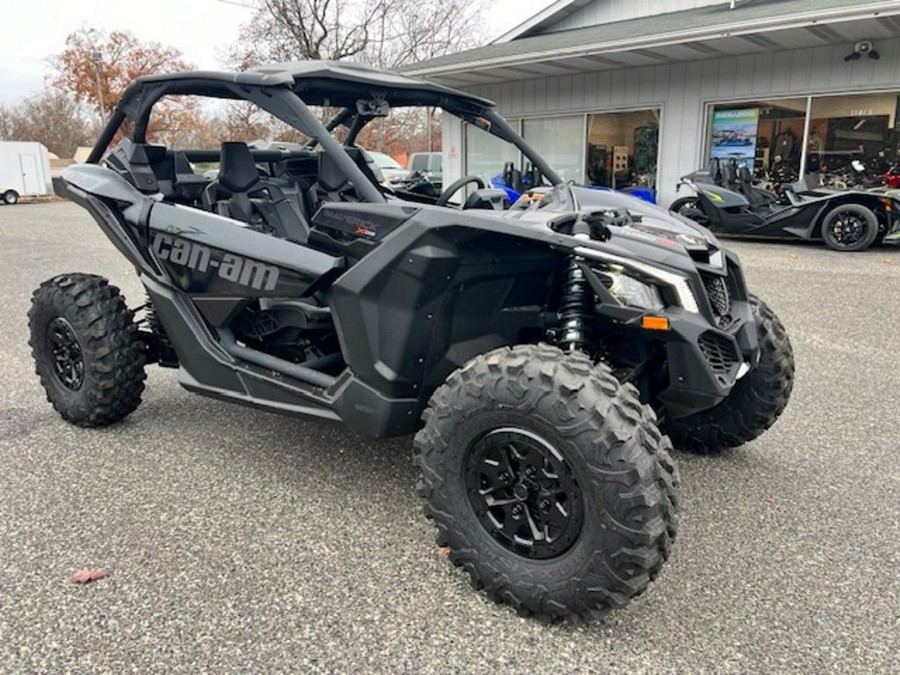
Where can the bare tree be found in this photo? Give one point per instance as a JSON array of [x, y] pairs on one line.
[[385, 33], [53, 118]]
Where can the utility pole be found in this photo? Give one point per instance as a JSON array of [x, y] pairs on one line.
[[96, 57]]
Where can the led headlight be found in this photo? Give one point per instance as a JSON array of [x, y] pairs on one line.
[[675, 281], [631, 291]]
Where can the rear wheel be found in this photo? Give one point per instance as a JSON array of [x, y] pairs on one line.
[[850, 227], [684, 203], [86, 349], [755, 401], [548, 481], [10, 197], [690, 207]]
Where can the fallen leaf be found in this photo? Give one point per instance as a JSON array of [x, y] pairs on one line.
[[888, 261], [768, 500], [794, 256], [443, 552], [87, 576]]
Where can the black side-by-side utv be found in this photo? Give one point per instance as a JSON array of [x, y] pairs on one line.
[[540, 351]]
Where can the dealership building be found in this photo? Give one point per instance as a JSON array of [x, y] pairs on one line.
[[623, 93]]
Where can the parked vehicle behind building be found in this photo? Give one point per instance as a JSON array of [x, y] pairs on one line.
[[391, 169], [426, 162]]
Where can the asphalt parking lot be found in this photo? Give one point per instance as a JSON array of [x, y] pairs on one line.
[[240, 541]]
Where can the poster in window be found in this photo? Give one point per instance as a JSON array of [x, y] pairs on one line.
[[734, 135]]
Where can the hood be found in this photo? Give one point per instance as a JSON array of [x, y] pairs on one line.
[[629, 225], [647, 219]]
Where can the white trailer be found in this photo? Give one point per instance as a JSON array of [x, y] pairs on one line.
[[24, 171]]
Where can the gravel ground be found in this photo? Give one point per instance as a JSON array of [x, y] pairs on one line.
[[241, 541]]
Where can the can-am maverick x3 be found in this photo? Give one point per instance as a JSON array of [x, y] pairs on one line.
[[533, 349]]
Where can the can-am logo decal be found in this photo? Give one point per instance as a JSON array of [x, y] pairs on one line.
[[231, 267]]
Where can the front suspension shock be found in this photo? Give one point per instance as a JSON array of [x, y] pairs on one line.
[[574, 307]]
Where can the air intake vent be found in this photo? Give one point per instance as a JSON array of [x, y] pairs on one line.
[[719, 351], [719, 297]]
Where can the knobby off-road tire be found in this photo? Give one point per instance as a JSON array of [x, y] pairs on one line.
[[620, 485], [754, 403], [86, 349]]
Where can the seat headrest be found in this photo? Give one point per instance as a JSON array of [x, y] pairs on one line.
[[728, 174], [237, 170], [331, 177], [182, 165]]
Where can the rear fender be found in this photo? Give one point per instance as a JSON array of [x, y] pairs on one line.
[[120, 210], [822, 208], [722, 198]]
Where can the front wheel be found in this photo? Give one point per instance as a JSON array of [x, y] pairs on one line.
[[755, 401], [10, 197], [86, 349], [850, 227], [548, 481]]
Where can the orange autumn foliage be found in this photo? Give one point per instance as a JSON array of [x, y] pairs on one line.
[[122, 59]]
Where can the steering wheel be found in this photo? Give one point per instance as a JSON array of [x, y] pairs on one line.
[[455, 186]]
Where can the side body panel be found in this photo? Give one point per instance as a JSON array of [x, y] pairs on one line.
[[435, 294]]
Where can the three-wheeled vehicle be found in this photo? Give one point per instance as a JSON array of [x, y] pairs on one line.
[[847, 220]]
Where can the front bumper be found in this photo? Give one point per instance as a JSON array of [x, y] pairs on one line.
[[706, 352], [704, 361]]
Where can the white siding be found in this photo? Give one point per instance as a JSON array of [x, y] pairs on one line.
[[609, 11], [682, 89]]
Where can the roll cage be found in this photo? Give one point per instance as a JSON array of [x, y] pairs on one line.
[[287, 90]]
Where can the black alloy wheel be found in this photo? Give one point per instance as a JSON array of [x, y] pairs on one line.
[[87, 350], [850, 227], [68, 362], [548, 481], [524, 493]]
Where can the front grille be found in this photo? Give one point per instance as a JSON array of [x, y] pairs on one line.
[[719, 351], [719, 297]]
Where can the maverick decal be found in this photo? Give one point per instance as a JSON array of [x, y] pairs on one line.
[[231, 267]]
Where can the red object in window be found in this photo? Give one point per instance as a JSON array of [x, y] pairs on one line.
[[892, 177]]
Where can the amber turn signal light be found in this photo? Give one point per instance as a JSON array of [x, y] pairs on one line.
[[655, 323]]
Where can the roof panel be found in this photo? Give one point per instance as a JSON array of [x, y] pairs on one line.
[[676, 27], [316, 82]]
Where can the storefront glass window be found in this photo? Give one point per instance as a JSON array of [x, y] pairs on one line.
[[765, 136], [560, 141], [852, 139], [486, 154], [622, 148]]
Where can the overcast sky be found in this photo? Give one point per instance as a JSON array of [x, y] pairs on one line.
[[36, 29]]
